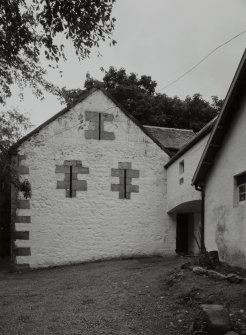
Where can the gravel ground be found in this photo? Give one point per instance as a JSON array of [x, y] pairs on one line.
[[135, 296]]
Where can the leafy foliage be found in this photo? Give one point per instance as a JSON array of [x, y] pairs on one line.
[[13, 125], [137, 95], [30, 28]]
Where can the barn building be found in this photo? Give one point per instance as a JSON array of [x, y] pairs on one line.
[[99, 187], [104, 186]]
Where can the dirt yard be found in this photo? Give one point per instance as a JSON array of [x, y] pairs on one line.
[[138, 296]]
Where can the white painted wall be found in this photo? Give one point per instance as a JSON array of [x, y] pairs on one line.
[[181, 193], [225, 222], [96, 224]]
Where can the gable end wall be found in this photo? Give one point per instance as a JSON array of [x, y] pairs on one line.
[[96, 223]]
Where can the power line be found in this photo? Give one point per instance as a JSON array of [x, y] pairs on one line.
[[202, 60]]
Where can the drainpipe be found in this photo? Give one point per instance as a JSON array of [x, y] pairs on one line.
[[201, 189]]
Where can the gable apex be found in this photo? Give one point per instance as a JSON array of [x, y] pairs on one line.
[[83, 96]]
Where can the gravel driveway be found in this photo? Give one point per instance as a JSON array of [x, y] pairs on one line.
[[135, 296]]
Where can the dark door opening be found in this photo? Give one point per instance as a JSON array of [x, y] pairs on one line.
[[182, 234]]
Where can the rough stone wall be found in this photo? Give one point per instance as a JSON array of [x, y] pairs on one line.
[[225, 227], [94, 223]]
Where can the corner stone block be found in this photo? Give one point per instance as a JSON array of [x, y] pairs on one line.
[[79, 185], [62, 169], [124, 165], [117, 173], [23, 204], [132, 173], [68, 194], [61, 185], [121, 194], [91, 134], [21, 235], [128, 195], [107, 136], [81, 169], [21, 251], [23, 219], [132, 188], [23, 169]]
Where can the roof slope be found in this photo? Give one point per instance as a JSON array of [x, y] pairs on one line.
[[83, 96], [200, 135], [229, 111], [171, 138]]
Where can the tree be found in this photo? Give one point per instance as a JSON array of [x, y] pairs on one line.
[[137, 95], [13, 125], [29, 30]]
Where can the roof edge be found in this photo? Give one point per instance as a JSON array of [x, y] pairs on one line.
[[226, 106], [200, 135], [182, 129], [83, 97], [51, 119]]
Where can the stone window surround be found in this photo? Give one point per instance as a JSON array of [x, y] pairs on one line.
[[71, 184], [98, 119], [125, 173]]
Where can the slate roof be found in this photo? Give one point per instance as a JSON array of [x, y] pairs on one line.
[[229, 111], [171, 138], [200, 135]]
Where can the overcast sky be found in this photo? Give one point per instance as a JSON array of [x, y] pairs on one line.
[[160, 38]]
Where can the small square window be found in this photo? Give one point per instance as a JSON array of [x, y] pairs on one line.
[[181, 181], [181, 167], [242, 192], [240, 187]]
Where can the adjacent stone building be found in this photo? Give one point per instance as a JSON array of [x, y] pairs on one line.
[[221, 172]]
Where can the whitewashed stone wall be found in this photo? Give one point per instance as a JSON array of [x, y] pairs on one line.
[[177, 193], [225, 220], [96, 224]]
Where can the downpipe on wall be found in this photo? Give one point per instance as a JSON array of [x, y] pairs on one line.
[[201, 189]]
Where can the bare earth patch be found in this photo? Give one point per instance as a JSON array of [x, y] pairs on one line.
[[137, 296]]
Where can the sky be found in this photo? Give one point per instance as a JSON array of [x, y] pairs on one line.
[[160, 38]]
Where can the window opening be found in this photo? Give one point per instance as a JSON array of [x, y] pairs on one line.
[[71, 183], [125, 183], [241, 187], [181, 167], [99, 128]]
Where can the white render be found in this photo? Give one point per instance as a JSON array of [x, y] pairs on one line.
[[181, 194], [184, 198], [96, 224], [225, 227]]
